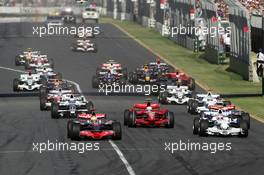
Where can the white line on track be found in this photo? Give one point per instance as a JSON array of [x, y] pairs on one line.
[[118, 151], [14, 70]]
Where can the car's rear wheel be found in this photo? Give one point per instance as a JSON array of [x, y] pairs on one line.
[[90, 106], [15, 84], [43, 102], [192, 84], [246, 118], [17, 61], [69, 128], [132, 120], [196, 125], [163, 97], [42, 92], [204, 124], [54, 111], [95, 82], [170, 117], [117, 131], [75, 134], [126, 116], [244, 127]]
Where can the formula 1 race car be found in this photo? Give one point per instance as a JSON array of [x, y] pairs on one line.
[[175, 95], [180, 78], [21, 59], [108, 79], [39, 61], [160, 67], [220, 125], [55, 84], [68, 15], [112, 66], [70, 107], [84, 45], [144, 76], [53, 96], [94, 126], [148, 114], [226, 110], [85, 34], [29, 82], [201, 102]]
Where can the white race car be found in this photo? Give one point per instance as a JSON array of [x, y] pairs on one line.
[[220, 124], [84, 45], [70, 107], [85, 34], [175, 95], [27, 82], [201, 102]]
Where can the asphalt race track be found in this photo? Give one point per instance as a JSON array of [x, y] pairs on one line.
[[22, 123]]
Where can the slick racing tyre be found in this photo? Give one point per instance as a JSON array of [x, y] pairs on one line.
[[126, 117], [15, 85], [203, 128], [132, 120], [192, 84], [117, 131], [244, 127], [124, 72], [43, 102], [54, 111], [95, 82], [90, 106], [69, 128], [75, 132], [246, 117], [163, 97], [42, 92], [170, 117], [17, 61], [196, 125]]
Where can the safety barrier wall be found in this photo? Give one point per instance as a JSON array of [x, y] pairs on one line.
[[179, 14]]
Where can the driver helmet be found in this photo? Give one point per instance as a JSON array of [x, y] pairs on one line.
[[29, 73], [93, 117], [158, 60], [29, 50], [149, 109]]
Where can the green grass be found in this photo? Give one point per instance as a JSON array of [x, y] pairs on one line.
[[216, 77]]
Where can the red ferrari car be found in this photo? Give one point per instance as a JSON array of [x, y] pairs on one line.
[[181, 78], [93, 126], [148, 114]]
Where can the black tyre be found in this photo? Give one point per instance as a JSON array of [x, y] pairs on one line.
[[51, 62], [95, 82], [189, 105], [193, 107], [132, 120], [244, 127], [27, 65], [42, 92], [15, 85], [90, 106], [196, 125], [17, 60], [192, 84], [122, 80], [203, 128], [170, 117], [163, 97], [43, 102], [69, 128], [126, 117], [54, 111], [75, 134], [117, 131], [124, 72], [246, 117]]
